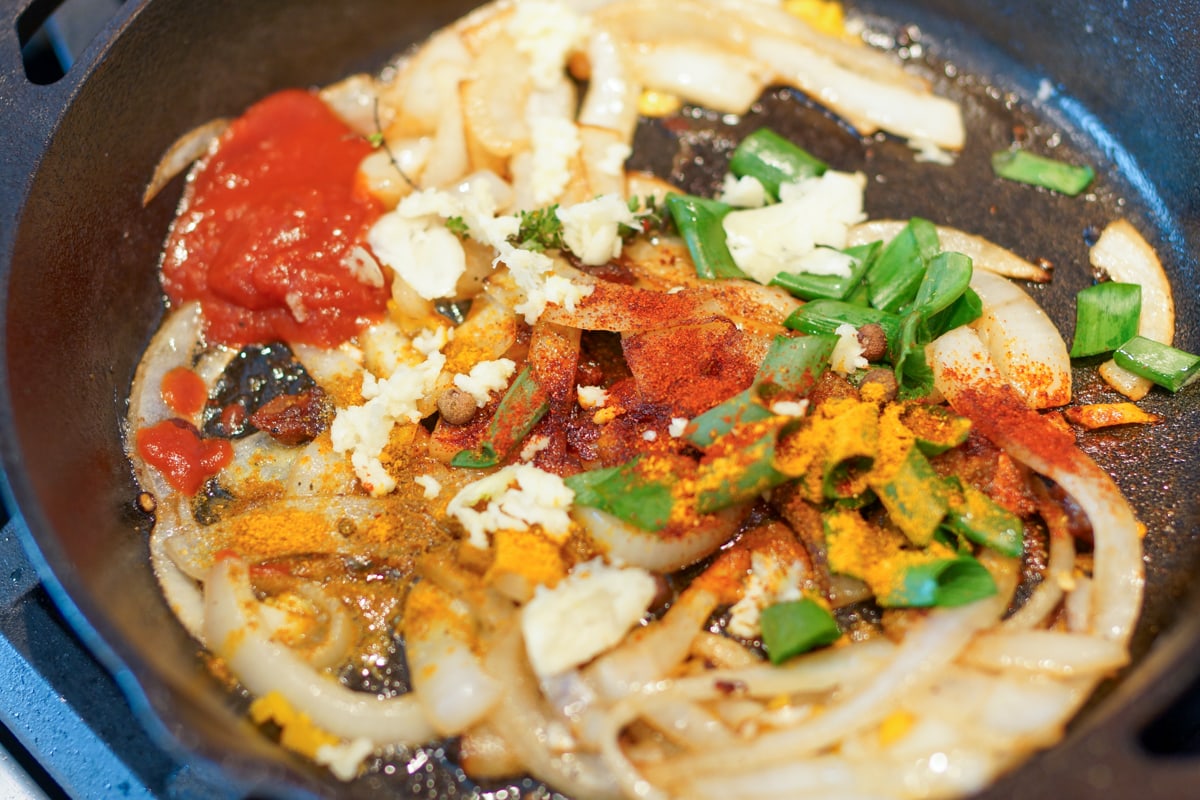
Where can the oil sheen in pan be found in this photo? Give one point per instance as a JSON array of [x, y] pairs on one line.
[[691, 149]]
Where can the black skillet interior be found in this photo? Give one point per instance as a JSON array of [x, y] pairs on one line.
[[81, 295]]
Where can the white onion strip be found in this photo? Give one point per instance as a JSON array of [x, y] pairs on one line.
[[1064, 655], [236, 633], [1023, 342], [867, 104], [927, 648], [182, 153], [649, 653], [448, 679], [1046, 597]]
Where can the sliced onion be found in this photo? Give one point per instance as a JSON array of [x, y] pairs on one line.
[[415, 92], [983, 253], [869, 105], [235, 632], [355, 101], [522, 721], [1123, 255], [1023, 342], [494, 98], [650, 653], [968, 379], [701, 74], [656, 21], [651, 550], [447, 676], [174, 344], [770, 18], [929, 646], [183, 594], [612, 94], [1064, 655], [182, 153], [603, 152], [448, 159]]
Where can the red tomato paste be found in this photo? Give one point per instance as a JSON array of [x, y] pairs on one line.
[[266, 236], [175, 449], [183, 391]]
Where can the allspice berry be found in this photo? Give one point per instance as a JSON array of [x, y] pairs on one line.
[[456, 406], [873, 340]]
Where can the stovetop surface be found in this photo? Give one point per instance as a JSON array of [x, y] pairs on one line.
[[66, 729]]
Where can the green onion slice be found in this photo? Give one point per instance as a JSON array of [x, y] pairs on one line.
[[943, 582], [792, 365], [1024, 167], [915, 497], [699, 223], [831, 287], [979, 519], [1167, 366], [1106, 316], [625, 493], [792, 628], [773, 160], [894, 278], [522, 407], [946, 279]]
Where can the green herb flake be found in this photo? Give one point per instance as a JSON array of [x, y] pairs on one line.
[[792, 628], [540, 230], [626, 493]]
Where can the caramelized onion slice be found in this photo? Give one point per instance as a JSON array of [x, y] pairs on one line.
[[1023, 342], [965, 375], [235, 632], [182, 153]]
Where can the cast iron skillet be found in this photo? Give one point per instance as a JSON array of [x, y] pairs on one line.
[[80, 299]]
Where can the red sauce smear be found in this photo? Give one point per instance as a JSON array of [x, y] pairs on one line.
[[266, 232], [175, 449], [184, 391]]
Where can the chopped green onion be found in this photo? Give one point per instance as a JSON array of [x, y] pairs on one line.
[[824, 317], [773, 160], [976, 517], [740, 466], [937, 429], [831, 287], [699, 223], [914, 496], [1167, 366], [1106, 316], [1024, 167], [792, 365], [963, 311], [894, 278], [947, 277], [522, 406], [719, 420], [942, 582], [792, 628], [626, 494]]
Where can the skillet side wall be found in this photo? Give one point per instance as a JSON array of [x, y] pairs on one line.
[[82, 286]]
